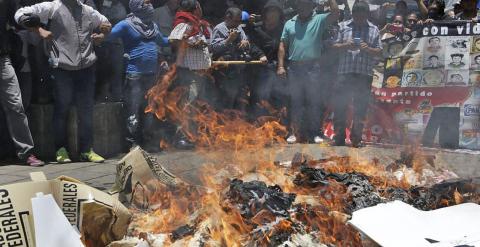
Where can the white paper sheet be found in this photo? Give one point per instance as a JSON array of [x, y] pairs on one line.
[[399, 224], [52, 228]]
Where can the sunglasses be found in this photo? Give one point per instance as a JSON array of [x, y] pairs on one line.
[[411, 20], [398, 22]]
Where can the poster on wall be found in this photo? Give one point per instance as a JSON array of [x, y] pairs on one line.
[[431, 69]]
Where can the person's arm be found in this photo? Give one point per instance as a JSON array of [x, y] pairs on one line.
[[257, 53], [221, 42], [101, 23], [282, 49], [244, 42], [423, 9], [281, 60], [376, 49], [35, 17], [178, 42], [181, 47], [342, 45], [161, 40], [118, 31], [334, 12]]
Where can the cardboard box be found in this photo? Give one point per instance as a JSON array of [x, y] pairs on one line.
[[75, 200], [138, 174]]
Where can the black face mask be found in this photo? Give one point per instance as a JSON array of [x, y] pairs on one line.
[[433, 14]]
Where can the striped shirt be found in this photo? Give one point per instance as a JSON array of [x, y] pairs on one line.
[[355, 61], [195, 58]]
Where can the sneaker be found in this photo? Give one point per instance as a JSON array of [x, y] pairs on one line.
[[359, 144], [34, 161], [91, 156], [318, 140], [62, 156], [184, 144], [292, 139]]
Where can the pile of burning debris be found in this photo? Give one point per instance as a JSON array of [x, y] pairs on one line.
[[303, 202]]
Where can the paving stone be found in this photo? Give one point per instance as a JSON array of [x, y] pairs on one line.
[[187, 164], [10, 179]]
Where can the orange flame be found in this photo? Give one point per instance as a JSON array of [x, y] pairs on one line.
[[226, 130]]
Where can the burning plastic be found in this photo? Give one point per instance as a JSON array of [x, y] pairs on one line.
[[361, 191], [252, 197]]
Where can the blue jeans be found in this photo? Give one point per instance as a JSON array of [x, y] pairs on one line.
[[136, 88], [78, 86]]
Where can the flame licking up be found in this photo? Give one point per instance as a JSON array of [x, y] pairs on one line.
[[209, 216], [227, 130]]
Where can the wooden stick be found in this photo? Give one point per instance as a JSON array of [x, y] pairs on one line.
[[236, 62]]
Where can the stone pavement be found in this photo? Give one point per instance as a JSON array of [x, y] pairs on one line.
[[185, 164]]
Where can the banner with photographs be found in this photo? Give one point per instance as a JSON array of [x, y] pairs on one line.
[[433, 69]]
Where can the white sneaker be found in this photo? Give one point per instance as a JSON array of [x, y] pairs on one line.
[[291, 139], [318, 140]]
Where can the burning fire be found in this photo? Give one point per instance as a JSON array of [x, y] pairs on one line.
[[227, 130], [304, 203]]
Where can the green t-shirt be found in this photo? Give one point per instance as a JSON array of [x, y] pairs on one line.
[[304, 40]]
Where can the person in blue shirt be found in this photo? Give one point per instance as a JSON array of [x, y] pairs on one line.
[[140, 36]]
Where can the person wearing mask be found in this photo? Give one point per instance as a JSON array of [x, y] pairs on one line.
[[266, 36], [358, 43], [140, 36], [230, 43], [72, 32], [10, 95], [302, 44], [190, 37]]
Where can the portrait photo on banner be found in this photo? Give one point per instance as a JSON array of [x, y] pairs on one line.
[[457, 78], [412, 78]]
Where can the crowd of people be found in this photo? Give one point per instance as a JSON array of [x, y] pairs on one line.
[[86, 51]]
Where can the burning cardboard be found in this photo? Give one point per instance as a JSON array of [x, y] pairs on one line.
[[139, 175], [72, 196], [306, 204]]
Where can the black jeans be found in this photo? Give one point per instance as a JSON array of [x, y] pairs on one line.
[[267, 86], [109, 74], [351, 88], [307, 99], [447, 121], [78, 86], [136, 88], [195, 85], [232, 87]]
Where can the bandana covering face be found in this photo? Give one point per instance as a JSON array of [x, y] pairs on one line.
[[141, 19], [198, 25]]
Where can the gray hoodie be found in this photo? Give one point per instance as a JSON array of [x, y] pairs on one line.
[[72, 24]]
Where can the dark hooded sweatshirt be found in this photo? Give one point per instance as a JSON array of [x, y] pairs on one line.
[[7, 11], [268, 41]]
